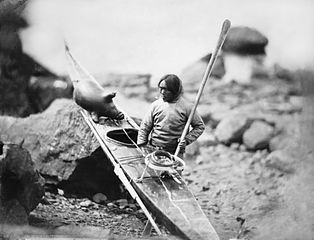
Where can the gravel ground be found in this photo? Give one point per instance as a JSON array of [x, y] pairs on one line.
[[231, 185]]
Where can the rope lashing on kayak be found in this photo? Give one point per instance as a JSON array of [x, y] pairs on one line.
[[158, 160], [128, 136]]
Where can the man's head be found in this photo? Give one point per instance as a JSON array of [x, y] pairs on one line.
[[170, 87]]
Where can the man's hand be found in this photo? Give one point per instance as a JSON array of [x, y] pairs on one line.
[[143, 148], [181, 145]]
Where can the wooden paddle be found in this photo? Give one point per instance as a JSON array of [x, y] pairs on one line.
[[223, 34]]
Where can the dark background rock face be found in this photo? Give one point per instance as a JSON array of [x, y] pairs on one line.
[[25, 86], [15, 6], [16, 68], [44, 87]]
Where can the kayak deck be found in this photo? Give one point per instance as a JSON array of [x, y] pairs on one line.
[[170, 202]]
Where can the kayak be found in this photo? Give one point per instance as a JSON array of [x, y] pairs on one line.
[[169, 200], [164, 200]]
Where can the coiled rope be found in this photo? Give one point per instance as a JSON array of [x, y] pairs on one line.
[[159, 159]]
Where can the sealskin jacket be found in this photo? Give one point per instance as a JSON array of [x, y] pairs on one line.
[[163, 125]]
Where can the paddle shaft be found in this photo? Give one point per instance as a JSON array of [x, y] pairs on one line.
[[223, 34]]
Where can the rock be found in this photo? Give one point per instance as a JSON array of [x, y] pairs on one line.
[[241, 68], [280, 160], [296, 101], [64, 149], [86, 203], [99, 198], [281, 141], [258, 135], [54, 138], [231, 128], [21, 186], [245, 40], [242, 148], [12, 212], [60, 192], [244, 52], [283, 73], [235, 146], [123, 203], [111, 205]]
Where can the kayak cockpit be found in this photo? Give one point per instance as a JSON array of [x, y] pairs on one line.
[[123, 136]]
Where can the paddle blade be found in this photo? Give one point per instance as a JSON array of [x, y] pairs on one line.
[[226, 26]]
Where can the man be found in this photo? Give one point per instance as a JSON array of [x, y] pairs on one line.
[[163, 125]]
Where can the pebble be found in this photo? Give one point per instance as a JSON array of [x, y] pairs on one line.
[[86, 203], [122, 203], [111, 205], [60, 192], [99, 198]]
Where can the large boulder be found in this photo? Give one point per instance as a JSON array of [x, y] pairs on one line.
[[16, 68], [64, 150], [281, 160], [245, 41], [258, 135], [55, 138], [231, 128], [21, 187], [244, 53]]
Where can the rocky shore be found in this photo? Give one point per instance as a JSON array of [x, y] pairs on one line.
[[251, 171]]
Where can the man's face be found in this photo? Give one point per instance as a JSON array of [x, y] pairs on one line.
[[166, 95]]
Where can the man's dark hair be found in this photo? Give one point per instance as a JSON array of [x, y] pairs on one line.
[[173, 83]]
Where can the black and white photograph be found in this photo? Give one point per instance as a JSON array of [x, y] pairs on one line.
[[156, 119]]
